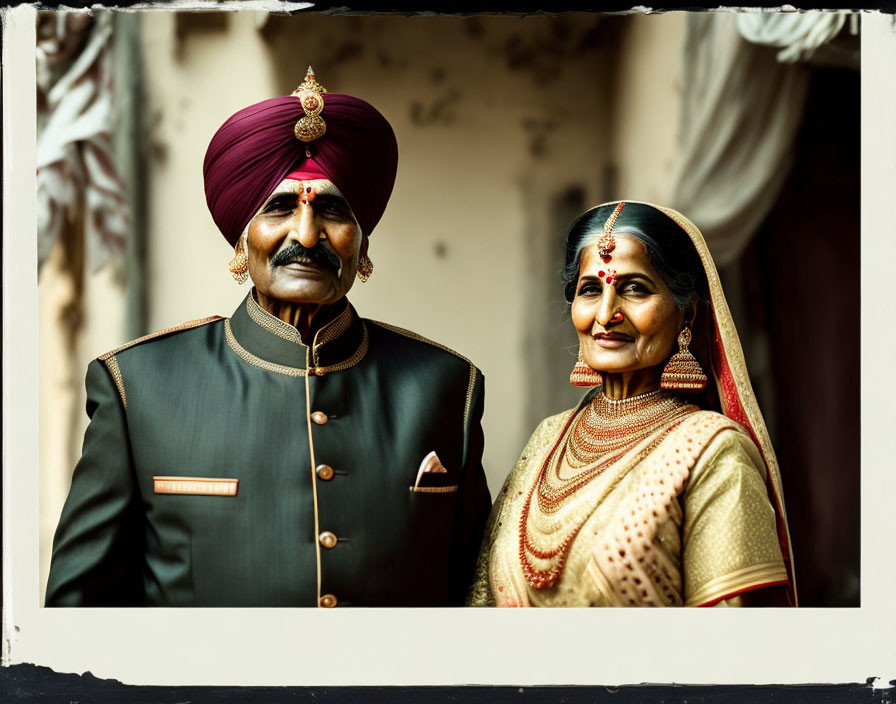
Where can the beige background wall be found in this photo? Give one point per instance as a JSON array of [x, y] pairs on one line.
[[643, 140], [507, 128]]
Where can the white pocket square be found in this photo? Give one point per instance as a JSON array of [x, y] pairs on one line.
[[430, 465]]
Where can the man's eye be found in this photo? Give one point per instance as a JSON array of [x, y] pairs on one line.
[[333, 209], [279, 205]]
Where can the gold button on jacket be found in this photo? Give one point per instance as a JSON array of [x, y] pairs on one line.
[[325, 472]]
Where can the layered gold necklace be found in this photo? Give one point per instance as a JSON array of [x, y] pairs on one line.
[[605, 432]]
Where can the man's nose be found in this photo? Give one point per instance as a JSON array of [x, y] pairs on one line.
[[305, 227]]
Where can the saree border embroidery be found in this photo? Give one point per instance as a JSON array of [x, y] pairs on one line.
[[745, 579]]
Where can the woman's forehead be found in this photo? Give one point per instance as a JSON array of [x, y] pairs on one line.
[[629, 256]]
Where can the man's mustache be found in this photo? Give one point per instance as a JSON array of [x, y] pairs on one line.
[[318, 254]]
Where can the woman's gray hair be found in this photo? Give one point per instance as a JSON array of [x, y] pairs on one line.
[[669, 248]]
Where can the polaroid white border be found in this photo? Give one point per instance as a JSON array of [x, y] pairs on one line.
[[452, 646]]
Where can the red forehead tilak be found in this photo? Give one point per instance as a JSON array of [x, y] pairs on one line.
[[308, 195], [310, 170]]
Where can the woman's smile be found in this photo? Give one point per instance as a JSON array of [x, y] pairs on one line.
[[610, 340]]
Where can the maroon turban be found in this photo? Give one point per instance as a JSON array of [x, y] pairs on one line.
[[256, 148]]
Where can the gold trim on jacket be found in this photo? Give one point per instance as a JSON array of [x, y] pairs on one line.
[[414, 336], [111, 362]]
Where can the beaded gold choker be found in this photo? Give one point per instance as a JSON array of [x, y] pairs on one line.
[[606, 425], [605, 433]]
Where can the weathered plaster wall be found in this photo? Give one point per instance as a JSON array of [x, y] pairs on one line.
[[647, 106]]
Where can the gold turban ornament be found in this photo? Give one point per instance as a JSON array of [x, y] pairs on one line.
[[310, 95]]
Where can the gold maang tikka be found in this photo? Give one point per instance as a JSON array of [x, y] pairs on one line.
[[607, 243], [310, 95]]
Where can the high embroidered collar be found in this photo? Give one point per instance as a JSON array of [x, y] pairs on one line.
[[275, 341]]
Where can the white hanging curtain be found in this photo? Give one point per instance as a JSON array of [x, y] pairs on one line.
[[742, 109], [76, 173], [800, 36]]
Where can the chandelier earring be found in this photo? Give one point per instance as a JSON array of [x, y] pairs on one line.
[[682, 372], [583, 375], [239, 265], [365, 268]]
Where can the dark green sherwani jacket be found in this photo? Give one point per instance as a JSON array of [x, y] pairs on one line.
[[316, 452]]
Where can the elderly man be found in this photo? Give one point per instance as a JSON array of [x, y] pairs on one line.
[[294, 454]]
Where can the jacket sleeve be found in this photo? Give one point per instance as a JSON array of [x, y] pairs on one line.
[[98, 546], [473, 500]]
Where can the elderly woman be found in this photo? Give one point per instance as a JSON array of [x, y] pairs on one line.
[[659, 489]]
